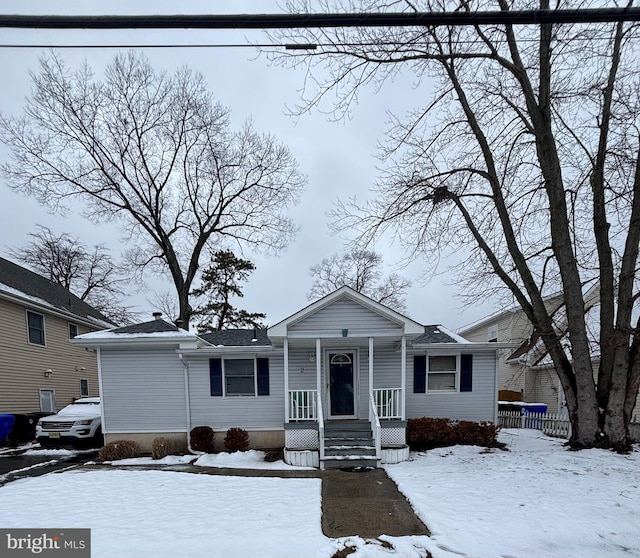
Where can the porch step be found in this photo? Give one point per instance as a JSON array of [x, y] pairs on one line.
[[341, 462], [349, 443], [352, 425], [349, 451]]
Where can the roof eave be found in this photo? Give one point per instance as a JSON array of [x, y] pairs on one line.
[[54, 310], [468, 345], [94, 342]]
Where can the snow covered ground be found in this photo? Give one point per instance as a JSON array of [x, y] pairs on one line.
[[535, 500]]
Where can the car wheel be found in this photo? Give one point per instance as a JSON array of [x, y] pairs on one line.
[[98, 439]]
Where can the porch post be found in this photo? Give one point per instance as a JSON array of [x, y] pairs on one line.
[[371, 365], [318, 368], [403, 376], [286, 380]]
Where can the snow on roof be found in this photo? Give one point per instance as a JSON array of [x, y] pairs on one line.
[[19, 282], [41, 302], [155, 329]]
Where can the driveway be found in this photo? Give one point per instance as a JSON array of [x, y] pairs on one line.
[[21, 464]]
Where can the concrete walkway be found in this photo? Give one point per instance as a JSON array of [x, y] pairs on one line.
[[367, 504]]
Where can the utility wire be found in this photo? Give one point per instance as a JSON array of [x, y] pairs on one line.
[[298, 21]]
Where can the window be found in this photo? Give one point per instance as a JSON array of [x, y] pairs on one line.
[[493, 334], [441, 375], [35, 325], [84, 388], [73, 331], [239, 376], [47, 402]]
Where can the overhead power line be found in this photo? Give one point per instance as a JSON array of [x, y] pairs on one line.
[[291, 21]]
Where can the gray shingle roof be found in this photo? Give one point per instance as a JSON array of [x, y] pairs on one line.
[[154, 326], [36, 286], [433, 334], [237, 337]]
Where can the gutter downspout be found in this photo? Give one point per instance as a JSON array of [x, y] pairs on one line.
[[185, 369], [103, 425]]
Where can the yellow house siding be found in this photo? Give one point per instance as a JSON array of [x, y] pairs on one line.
[[22, 365]]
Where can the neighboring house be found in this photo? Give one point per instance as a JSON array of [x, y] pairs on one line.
[[333, 383], [519, 379], [40, 370], [527, 372]]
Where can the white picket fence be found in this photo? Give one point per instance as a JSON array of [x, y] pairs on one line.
[[550, 423]]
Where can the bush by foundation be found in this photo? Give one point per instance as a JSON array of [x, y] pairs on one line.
[[427, 433], [202, 439], [119, 449], [236, 439], [160, 447]]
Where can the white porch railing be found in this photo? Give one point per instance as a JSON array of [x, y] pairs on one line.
[[320, 429], [304, 405], [375, 426], [388, 403]]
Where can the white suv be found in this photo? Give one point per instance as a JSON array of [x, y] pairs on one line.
[[78, 424]]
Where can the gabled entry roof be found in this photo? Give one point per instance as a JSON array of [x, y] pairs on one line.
[[400, 323]]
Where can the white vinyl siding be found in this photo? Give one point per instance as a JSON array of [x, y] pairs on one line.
[[476, 405], [345, 314], [265, 412], [144, 390]]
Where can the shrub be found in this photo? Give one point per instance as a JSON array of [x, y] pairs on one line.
[[161, 447], [119, 449], [236, 439], [274, 455], [427, 433], [202, 439]]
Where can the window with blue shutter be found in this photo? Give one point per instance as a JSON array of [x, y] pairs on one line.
[[419, 373], [263, 376], [239, 377], [466, 372], [215, 376]]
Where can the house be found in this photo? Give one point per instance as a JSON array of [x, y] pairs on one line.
[[527, 373], [40, 370], [333, 383]]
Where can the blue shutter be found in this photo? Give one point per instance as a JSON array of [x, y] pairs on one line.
[[419, 373], [215, 376], [466, 372], [263, 376]]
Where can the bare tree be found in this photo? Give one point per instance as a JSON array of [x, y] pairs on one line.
[[156, 152], [526, 155], [360, 270], [89, 273]]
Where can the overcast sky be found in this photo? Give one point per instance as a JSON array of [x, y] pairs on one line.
[[338, 158]]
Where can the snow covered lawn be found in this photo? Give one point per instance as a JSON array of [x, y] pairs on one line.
[[535, 500], [538, 499]]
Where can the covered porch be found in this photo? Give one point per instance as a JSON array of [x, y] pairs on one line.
[[345, 376], [344, 402]]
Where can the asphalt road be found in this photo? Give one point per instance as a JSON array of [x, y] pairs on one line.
[[22, 465]]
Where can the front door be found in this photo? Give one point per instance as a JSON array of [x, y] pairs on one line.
[[342, 385]]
